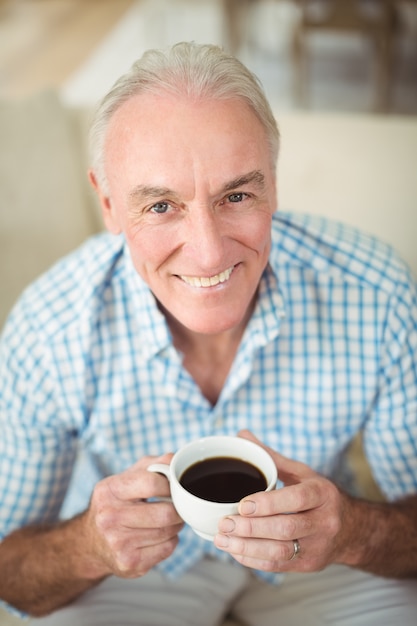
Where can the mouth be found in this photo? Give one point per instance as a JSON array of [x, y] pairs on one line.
[[208, 281]]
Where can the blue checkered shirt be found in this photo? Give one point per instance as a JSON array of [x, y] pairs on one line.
[[87, 363]]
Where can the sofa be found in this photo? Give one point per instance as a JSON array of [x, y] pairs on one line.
[[356, 168]]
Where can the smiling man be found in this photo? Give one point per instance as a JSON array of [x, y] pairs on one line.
[[205, 311], [191, 185]]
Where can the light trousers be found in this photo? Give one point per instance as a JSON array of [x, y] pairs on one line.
[[338, 596]]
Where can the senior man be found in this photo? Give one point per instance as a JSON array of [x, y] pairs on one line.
[[205, 311]]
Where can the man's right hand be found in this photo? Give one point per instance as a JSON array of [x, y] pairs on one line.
[[128, 535], [44, 567]]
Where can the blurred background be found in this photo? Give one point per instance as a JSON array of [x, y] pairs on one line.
[[341, 75], [355, 55], [317, 59]]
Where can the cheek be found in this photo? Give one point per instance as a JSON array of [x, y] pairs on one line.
[[258, 233], [148, 248]]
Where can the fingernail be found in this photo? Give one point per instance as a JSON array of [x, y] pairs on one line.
[[247, 507], [226, 525]]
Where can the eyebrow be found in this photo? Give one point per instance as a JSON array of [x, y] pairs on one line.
[[251, 177], [148, 191]]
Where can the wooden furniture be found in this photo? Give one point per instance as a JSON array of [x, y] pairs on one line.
[[375, 20], [236, 18]]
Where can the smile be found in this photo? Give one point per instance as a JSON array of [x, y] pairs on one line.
[[208, 281]]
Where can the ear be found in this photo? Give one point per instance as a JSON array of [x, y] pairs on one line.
[[110, 217]]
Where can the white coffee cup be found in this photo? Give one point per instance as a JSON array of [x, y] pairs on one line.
[[203, 515]]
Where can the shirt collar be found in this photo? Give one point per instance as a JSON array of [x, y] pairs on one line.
[[269, 310], [151, 326]]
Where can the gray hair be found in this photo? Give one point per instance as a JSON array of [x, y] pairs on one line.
[[189, 69]]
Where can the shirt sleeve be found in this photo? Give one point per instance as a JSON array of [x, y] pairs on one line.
[[37, 448], [390, 436]]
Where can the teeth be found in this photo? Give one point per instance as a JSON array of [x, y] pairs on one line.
[[208, 281]]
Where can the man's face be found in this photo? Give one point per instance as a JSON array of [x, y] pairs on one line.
[[190, 185]]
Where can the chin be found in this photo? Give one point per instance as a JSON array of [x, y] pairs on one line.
[[211, 325]]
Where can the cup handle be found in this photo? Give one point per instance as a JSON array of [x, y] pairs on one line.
[[161, 468]]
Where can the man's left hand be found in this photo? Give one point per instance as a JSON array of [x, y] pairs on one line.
[[309, 514]]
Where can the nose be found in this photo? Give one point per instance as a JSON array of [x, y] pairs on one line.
[[205, 238]]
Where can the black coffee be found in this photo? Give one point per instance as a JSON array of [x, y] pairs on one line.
[[223, 479]]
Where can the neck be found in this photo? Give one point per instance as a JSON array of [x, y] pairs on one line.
[[208, 358]]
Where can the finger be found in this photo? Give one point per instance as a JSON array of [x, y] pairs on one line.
[[137, 483], [134, 561], [141, 515], [120, 538], [290, 472], [293, 499], [277, 527], [147, 515], [258, 553], [125, 538]]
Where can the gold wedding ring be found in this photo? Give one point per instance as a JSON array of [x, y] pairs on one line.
[[296, 549]]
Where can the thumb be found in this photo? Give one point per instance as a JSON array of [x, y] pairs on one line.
[[290, 472]]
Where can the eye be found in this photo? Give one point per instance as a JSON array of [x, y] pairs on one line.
[[237, 197], [160, 208]]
